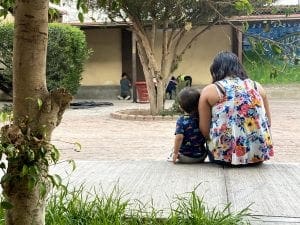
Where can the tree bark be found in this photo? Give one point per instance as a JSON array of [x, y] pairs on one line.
[[36, 113]]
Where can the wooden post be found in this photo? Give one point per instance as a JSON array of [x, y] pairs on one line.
[[134, 75], [240, 45]]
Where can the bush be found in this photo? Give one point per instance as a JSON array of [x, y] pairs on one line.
[[270, 70], [67, 53]]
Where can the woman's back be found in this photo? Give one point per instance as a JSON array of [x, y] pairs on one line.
[[239, 130]]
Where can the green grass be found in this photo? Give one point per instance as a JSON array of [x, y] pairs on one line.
[[76, 207], [270, 71]]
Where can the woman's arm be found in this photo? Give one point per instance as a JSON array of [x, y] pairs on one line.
[[209, 97], [263, 94]]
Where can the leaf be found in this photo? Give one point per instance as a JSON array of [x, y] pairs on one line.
[[276, 49], [245, 26], [31, 183], [40, 103], [30, 154], [5, 178], [72, 162], [79, 2], [2, 165], [42, 151], [80, 17], [243, 5], [77, 146], [43, 189], [84, 8], [3, 117], [24, 170], [54, 154], [6, 205], [55, 179], [33, 170]]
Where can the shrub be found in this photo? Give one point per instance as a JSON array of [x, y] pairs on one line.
[[270, 70], [67, 53]]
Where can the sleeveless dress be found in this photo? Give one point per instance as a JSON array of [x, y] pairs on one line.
[[239, 132]]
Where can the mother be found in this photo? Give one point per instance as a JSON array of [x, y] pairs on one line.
[[234, 115]]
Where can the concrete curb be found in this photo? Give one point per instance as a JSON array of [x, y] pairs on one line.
[[140, 115]]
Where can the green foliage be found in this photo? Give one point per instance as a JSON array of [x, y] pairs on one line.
[[7, 6], [270, 70], [67, 53], [6, 52], [31, 154], [177, 12], [81, 207], [244, 5], [6, 108]]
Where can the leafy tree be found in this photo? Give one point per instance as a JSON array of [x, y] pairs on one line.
[[36, 112], [176, 19]]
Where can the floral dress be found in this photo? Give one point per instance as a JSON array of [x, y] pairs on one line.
[[239, 132]]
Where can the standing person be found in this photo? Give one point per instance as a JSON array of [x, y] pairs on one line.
[[125, 86], [235, 115], [189, 144]]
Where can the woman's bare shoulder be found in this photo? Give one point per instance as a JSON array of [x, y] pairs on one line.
[[208, 89], [209, 93]]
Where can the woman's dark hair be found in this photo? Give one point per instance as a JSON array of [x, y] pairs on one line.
[[188, 99], [227, 64]]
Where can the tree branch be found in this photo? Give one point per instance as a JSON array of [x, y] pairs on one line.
[[238, 28], [188, 45], [165, 50], [175, 59], [153, 34]]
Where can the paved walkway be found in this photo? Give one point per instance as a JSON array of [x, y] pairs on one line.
[[133, 154], [105, 138]]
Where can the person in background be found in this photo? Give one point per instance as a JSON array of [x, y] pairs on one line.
[[235, 116], [189, 144], [171, 87], [125, 86]]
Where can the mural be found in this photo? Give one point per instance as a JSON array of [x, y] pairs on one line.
[[287, 33]]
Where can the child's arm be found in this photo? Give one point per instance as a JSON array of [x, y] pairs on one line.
[[177, 144]]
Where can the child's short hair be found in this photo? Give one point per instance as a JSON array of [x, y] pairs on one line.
[[188, 99]]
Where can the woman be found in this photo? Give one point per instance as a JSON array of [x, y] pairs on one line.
[[234, 115]]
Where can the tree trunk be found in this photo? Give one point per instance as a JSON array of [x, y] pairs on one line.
[[36, 113], [154, 81]]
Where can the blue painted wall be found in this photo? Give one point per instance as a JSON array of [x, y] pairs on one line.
[[287, 33]]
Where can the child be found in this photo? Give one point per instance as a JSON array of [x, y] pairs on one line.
[[171, 87], [125, 86], [189, 145]]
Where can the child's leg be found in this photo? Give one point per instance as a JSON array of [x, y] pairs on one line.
[[187, 159]]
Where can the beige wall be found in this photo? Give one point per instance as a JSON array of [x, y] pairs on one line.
[[105, 64], [9, 18], [197, 60]]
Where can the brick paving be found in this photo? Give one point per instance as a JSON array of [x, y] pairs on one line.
[[105, 138]]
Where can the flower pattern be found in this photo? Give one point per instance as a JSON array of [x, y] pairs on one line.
[[239, 131]]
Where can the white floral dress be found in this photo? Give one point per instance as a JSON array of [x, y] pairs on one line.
[[239, 132]]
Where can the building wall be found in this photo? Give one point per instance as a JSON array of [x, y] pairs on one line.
[[105, 64], [197, 60], [102, 71]]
